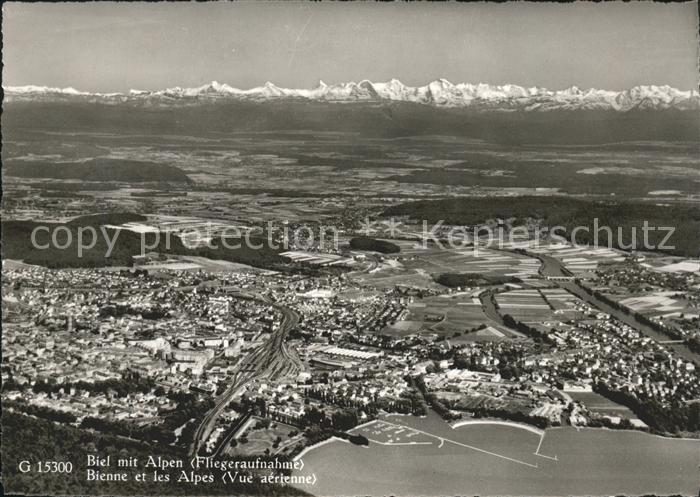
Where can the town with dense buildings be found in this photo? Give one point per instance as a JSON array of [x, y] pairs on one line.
[[233, 360], [339, 249]]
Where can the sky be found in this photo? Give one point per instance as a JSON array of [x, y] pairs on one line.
[[114, 47]]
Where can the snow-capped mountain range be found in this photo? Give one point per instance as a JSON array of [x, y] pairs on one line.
[[439, 93]]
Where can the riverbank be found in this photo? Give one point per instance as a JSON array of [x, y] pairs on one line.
[[522, 426], [554, 268]]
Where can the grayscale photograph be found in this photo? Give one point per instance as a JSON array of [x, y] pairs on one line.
[[352, 249]]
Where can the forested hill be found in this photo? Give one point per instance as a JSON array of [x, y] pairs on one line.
[[569, 213], [100, 169], [17, 244]]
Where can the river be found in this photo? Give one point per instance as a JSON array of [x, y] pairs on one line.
[[552, 267]]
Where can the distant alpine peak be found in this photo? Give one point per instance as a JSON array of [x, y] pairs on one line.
[[29, 89], [440, 93]]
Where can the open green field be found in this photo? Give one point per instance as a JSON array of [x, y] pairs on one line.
[[457, 317], [389, 276], [469, 260], [418, 267], [256, 440], [601, 405]]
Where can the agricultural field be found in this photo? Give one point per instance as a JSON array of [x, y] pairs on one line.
[[564, 304], [672, 265], [387, 276], [542, 307], [663, 304], [319, 258], [418, 266], [156, 262], [655, 303], [524, 305], [577, 259], [470, 260], [458, 317]]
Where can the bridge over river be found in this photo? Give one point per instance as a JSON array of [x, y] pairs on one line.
[[555, 271]]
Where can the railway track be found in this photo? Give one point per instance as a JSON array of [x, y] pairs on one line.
[[272, 360]]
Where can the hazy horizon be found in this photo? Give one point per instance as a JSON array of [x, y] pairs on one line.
[[114, 47]]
